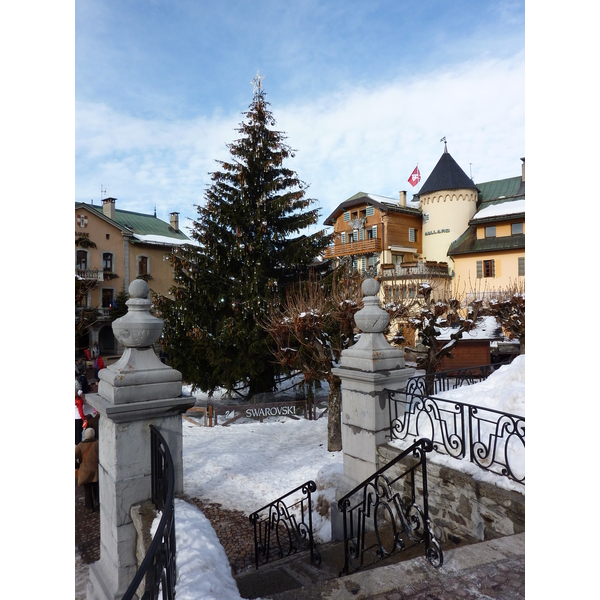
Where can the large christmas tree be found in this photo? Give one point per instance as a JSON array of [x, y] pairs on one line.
[[250, 248]]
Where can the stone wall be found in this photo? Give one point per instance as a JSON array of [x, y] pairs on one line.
[[462, 509]]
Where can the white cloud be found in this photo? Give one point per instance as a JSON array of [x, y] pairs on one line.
[[360, 139]]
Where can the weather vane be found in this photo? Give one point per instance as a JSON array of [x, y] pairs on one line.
[[257, 83]]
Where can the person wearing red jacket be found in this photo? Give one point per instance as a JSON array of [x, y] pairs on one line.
[[79, 415]]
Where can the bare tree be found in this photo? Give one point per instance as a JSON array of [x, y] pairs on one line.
[[309, 331], [508, 306]]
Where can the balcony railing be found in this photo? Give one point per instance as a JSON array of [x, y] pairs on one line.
[[361, 247], [416, 269], [90, 274]]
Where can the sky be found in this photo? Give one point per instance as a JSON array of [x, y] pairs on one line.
[[364, 91], [219, 463]]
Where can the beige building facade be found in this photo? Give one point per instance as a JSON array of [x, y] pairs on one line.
[[112, 248]]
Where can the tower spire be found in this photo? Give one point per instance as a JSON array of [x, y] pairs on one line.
[[445, 145]]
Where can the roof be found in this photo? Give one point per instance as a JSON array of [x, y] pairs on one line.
[[145, 228], [501, 188], [446, 175], [486, 329], [383, 203]]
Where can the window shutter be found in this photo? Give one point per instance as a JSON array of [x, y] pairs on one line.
[[479, 269], [361, 234], [370, 211], [355, 238], [364, 263], [521, 266], [412, 234], [374, 231], [493, 268], [346, 216], [343, 237]]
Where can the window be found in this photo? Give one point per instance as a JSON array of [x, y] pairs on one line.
[[107, 262], [521, 266], [143, 265], [490, 232], [108, 295], [370, 211], [412, 234], [516, 228], [372, 233], [81, 260], [346, 216], [486, 268]]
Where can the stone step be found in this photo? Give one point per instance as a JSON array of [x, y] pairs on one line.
[[296, 572]]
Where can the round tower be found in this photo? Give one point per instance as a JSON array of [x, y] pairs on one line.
[[448, 201]]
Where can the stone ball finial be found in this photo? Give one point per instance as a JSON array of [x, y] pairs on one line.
[[138, 328], [370, 287], [138, 288], [371, 318]]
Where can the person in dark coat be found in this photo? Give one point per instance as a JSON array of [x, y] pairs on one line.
[[86, 469]]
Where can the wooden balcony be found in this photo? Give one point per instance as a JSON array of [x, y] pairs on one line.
[[362, 247]]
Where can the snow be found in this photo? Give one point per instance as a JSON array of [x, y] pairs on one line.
[[502, 209], [163, 239], [248, 464], [486, 329]]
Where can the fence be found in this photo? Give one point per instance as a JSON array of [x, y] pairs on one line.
[[380, 506], [158, 566], [281, 530], [491, 439]]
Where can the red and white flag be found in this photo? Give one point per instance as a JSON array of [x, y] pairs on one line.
[[415, 177]]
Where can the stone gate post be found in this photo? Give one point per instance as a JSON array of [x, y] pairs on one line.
[[135, 392], [366, 369]]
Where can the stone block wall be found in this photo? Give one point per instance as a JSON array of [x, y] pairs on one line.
[[461, 508]]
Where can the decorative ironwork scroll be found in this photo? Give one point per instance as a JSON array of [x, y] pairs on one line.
[[281, 530], [378, 505]]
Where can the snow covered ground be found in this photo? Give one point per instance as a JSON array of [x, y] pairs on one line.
[[245, 465]]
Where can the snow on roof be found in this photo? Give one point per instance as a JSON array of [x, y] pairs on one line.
[[162, 240], [486, 329], [501, 209]]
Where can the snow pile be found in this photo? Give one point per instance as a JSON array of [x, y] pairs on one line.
[[203, 571]]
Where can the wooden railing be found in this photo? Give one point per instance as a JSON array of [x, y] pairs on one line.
[[361, 247]]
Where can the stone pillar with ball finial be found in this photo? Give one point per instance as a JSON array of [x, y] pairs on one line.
[[367, 369], [135, 392]]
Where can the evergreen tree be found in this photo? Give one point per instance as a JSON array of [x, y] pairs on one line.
[[250, 247]]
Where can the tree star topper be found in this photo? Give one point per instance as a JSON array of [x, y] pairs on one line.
[[257, 83]]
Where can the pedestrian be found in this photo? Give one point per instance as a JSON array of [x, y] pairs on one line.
[[80, 367], [98, 366], [84, 383], [87, 354], [82, 410], [86, 469], [93, 420], [95, 350]]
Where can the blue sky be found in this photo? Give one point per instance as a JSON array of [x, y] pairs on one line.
[[363, 90]]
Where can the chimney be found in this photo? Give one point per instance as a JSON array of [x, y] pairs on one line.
[[108, 207], [403, 198], [523, 170], [175, 221]]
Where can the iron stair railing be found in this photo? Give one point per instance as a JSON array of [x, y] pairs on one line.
[[281, 530], [374, 505], [158, 566]]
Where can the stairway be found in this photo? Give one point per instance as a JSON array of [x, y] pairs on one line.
[[297, 573]]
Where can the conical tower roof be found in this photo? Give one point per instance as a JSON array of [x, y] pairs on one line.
[[446, 175]]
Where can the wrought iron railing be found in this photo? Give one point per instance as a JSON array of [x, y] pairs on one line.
[[491, 439], [382, 505], [281, 530], [451, 379], [158, 571]]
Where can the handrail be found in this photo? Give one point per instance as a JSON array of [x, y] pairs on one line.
[[159, 562], [379, 502], [289, 535]]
